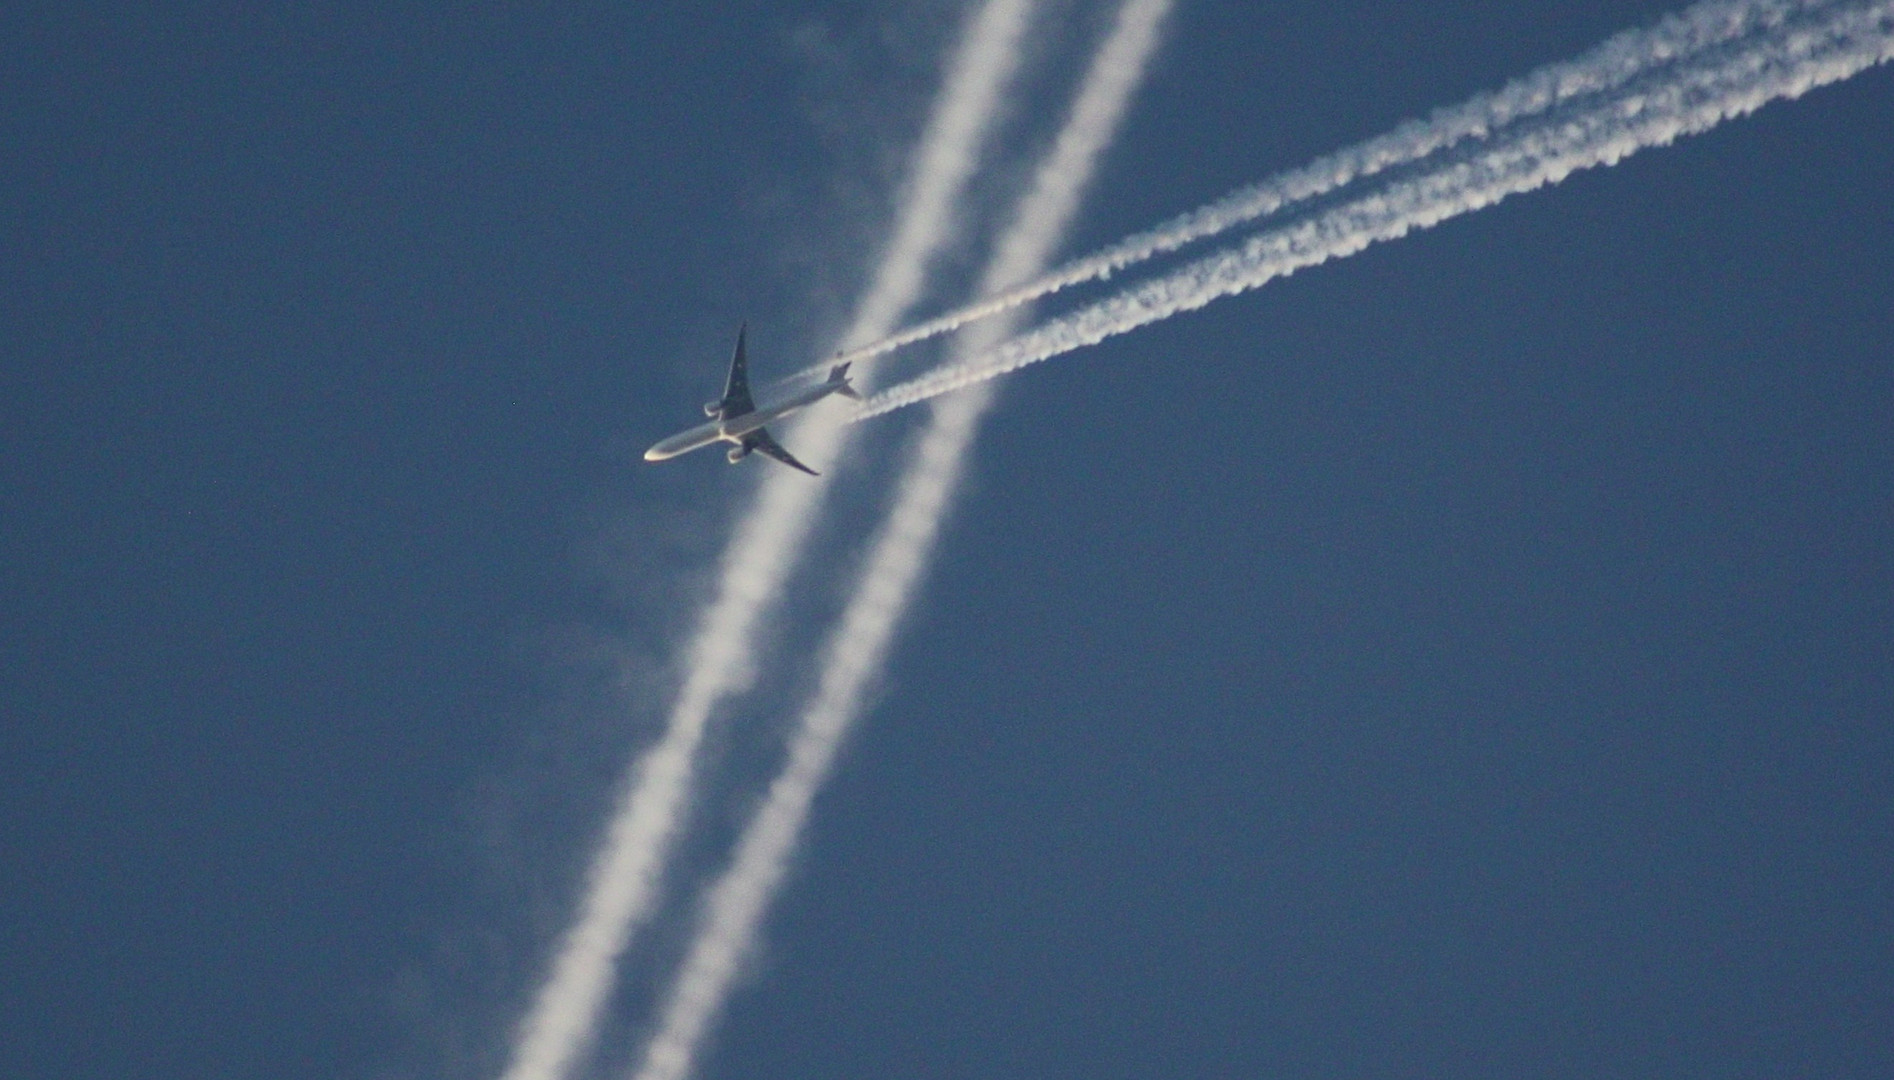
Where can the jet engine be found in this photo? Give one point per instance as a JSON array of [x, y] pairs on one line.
[[736, 454], [712, 408]]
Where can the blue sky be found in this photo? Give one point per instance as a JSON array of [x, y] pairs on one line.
[[1469, 657]]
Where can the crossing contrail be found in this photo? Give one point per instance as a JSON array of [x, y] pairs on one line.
[[1779, 64], [737, 902], [1620, 61], [621, 887]]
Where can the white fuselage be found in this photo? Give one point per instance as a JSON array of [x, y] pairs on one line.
[[733, 429]]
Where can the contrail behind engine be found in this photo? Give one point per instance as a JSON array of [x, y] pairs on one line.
[[1618, 62], [1780, 64]]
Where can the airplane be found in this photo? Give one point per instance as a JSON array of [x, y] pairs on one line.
[[734, 417]]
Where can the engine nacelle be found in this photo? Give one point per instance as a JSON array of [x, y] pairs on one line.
[[713, 408], [736, 454]]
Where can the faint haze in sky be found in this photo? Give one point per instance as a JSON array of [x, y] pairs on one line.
[[621, 889], [1469, 656]]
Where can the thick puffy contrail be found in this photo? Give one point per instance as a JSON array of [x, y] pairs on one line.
[[622, 885], [1620, 61], [902, 547], [1782, 64]]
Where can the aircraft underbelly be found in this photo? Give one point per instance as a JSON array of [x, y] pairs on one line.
[[739, 426], [736, 429], [684, 442], [748, 422]]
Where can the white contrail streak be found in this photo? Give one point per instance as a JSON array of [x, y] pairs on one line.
[[900, 553], [1783, 64], [1618, 62], [622, 885]]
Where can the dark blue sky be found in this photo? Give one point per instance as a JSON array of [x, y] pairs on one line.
[[1474, 657]]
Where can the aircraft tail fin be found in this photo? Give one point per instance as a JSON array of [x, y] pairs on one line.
[[838, 375]]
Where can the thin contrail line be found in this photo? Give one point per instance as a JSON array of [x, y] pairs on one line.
[[1780, 65], [622, 885], [1619, 61], [736, 903]]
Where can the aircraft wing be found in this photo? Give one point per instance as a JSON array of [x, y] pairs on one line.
[[736, 392], [760, 440]]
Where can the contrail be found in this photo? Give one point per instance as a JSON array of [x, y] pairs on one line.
[[622, 883], [1619, 61], [736, 904], [1783, 64]]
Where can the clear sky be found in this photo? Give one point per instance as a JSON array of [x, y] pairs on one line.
[[1474, 657]]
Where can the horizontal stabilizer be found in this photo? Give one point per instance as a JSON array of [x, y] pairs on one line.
[[838, 377]]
